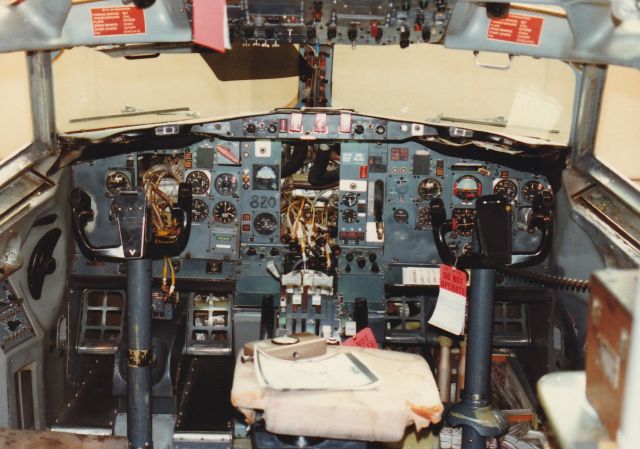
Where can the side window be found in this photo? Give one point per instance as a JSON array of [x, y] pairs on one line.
[[618, 138], [15, 110]]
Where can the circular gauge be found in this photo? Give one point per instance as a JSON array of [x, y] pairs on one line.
[[467, 188], [401, 216], [265, 223], [531, 190], [199, 182], [350, 199], [224, 212], [349, 215], [423, 221], [169, 187], [117, 180], [462, 221], [226, 184], [199, 211], [506, 188], [429, 189]]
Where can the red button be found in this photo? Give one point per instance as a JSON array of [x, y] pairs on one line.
[[246, 227], [364, 170], [246, 217]]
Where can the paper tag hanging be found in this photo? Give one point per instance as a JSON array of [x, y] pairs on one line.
[[449, 313]]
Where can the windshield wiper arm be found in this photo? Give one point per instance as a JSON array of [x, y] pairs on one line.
[[498, 122], [131, 114]]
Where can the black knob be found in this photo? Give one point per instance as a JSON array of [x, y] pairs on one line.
[[269, 33], [252, 251], [373, 257], [361, 262], [406, 5], [13, 324], [424, 4], [359, 129], [143, 3], [380, 129], [349, 257], [272, 128], [251, 128], [347, 269], [275, 251], [404, 36], [249, 32], [497, 10], [375, 268], [311, 33], [426, 34], [332, 32], [352, 34]]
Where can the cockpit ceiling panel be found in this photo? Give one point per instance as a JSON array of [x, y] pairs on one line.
[[586, 31]]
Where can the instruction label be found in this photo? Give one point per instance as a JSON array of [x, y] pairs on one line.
[[519, 29], [118, 21]]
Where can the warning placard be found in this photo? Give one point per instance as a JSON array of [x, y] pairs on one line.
[[525, 30], [117, 21]]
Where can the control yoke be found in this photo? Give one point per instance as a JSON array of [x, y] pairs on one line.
[[492, 233], [136, 239]]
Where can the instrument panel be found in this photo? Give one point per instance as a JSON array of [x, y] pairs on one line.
[[352, 207], [381, 199]]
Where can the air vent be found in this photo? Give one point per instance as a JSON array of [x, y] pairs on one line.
[[101, 321]]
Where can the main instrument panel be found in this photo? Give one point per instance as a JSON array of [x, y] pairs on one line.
[[268, 203]]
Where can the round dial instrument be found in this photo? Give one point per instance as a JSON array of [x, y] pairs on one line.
[[401, 216], [349, 215], [224, 212], [350, 199], [199, 182], [226, 184], [531, 189], [462, 221], [429, 189], [265, 223], [117, 180], [467, 188], [506, 188], [423, 220], [199, 211]]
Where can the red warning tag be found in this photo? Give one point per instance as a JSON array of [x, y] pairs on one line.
[[364, 171], [451, 304], [363, 339], [519, 29], [118, 21], [453, 280]]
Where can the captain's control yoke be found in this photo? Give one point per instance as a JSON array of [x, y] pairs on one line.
[[138, 246]]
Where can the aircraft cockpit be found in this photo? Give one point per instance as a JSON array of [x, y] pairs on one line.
[[319, 224]]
